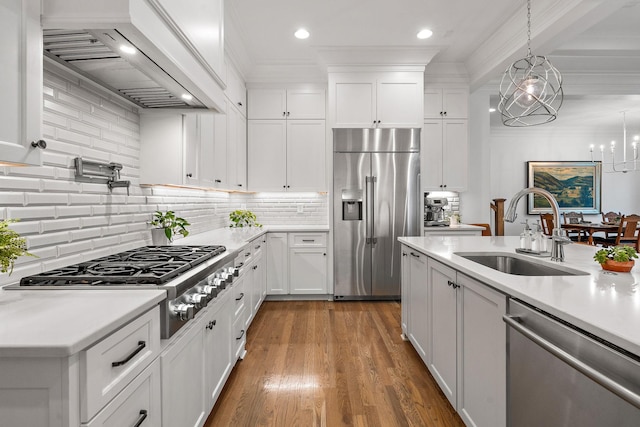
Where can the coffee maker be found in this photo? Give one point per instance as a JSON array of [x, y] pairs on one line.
[[434, 211]]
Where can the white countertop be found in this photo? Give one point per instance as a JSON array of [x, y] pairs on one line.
[[607, 305], [63, 322]]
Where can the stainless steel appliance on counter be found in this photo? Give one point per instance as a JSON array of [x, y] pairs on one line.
[[376, 186], [559, 375], [191, 275], [434, 211]]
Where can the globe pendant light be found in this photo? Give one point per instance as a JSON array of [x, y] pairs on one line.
[[531, 89]]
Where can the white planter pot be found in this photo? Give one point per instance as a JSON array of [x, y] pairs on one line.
[[158, 238]]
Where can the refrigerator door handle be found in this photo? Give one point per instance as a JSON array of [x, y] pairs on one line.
[[374, 239], [368, 209]]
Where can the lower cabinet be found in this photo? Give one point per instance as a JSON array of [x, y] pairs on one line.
[[297, 263], [217, 351], [455, 324]]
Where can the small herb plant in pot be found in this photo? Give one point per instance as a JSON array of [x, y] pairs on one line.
[[12, 246], [616, 258], [168, 225], [243, 218]]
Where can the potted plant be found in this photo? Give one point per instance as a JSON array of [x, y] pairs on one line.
[[12, 246], [616, 258], [167, 224], [243, 218]]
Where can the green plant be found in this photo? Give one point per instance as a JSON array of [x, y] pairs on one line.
[[12, 246], [171, 223], [616, 253], [243, 218]]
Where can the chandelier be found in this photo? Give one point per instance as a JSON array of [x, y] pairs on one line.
[[531, 89], [609, 161]]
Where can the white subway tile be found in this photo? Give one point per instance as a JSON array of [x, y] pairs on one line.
[[20, 271], [48, 239], [11, 198], [85, 199], [73, 137], [59, 185], [102, 113], [57, 107], [93, 221], [63, 147], [50, 158], [59, 78], [22, 213], [33, 171], [73, 101], [114, 229], [120, 219], [52, 118], [101, 144], [65, 211], [87, 93], [96, 155], [110, 241], [86, 233], [113, 107], [84, 128], [18, 183], [134, 237], [75, 248], [46, 199], [59, 224]]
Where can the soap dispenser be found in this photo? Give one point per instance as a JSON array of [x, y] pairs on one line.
[[537, 241], [525, 236]]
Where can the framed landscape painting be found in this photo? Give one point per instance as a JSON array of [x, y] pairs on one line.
[[575, 185]]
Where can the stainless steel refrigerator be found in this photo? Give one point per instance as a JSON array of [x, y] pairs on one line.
[[376, 186]]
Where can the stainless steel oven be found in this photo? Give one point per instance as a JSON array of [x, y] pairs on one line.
[[559, 375]]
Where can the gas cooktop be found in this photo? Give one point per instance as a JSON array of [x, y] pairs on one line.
[[148, 265]]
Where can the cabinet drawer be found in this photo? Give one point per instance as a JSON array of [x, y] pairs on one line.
[[308, 240], [138, 404], [108, 366], [239, 334], [239, 296]]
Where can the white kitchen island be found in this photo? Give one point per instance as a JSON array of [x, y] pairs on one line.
[[453, 308], [453, 230]]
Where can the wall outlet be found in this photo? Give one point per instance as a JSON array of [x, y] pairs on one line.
[[243, 207], [300, 208]]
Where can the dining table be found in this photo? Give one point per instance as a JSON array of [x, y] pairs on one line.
[[589, 228]]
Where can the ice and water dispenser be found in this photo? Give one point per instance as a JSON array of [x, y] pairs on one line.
[[352, 205]]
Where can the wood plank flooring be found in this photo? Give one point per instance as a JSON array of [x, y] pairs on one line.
[[323, 363]]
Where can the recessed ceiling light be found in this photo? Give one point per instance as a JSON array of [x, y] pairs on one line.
[[127, 49], [187, 96], [425, 34], [301, 33]]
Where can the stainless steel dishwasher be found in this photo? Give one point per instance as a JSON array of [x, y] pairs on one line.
[[559, 375]]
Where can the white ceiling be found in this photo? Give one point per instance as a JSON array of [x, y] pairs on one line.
[[594, 43]]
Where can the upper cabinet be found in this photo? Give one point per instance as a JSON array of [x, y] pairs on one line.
[[291, 104], [21, 83], [236, 91], [446, 103], [382, 99]]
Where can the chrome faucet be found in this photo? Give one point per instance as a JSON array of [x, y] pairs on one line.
[[558, 237]]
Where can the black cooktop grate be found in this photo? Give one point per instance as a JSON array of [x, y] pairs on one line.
[[149, 265]]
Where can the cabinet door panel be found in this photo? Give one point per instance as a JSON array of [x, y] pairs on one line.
[[217, 349], [419, 325], [267, 104], [219, 163], [431, 155], [306, 155], [308, 270], [399, 104], [267, 155], [354, 104], [21, 83], [455, 102], [277, 264], [306, 104], [454, 154], [443, 321], [206, 159], [432, 103]]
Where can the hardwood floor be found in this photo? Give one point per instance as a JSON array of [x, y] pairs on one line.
[[322, 363]]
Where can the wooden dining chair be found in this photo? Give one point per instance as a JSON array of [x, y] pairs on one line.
[[627, 234], [546, 219], [574, 218], [611, 217]]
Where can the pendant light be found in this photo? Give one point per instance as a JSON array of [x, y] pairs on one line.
[[531, 89]]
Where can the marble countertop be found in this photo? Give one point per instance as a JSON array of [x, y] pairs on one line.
[[605, 304], [63, 322], [459, 227]]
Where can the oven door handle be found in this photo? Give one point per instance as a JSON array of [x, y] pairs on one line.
[[597, 376]]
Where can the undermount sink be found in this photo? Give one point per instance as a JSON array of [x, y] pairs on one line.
[[520, 266]]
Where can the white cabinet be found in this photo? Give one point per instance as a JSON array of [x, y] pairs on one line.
[[446, 103], [216, 325], [444, 163], [482, 381], [277, 264], [460, 320], [291, 104], [308, 263], [236, 91], [442, 308], [236, 130], [256, 279], [386, 99], [21, 83], [415, 300], [297, 264], [286, 155]]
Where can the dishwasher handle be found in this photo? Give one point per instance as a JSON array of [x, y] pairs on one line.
[[580, 366]]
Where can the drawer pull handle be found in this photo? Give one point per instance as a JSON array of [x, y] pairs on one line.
[[258, 247], [141, 345], [308, 240], [247, 253], [241, 335], [241, 296], [141, 418]]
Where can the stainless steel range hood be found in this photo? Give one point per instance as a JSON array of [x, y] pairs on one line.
[[138, 50], [134, 76]]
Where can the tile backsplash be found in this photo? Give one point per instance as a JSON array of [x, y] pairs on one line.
[[66, 222]]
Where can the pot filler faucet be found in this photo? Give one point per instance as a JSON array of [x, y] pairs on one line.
[[558, 237]]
